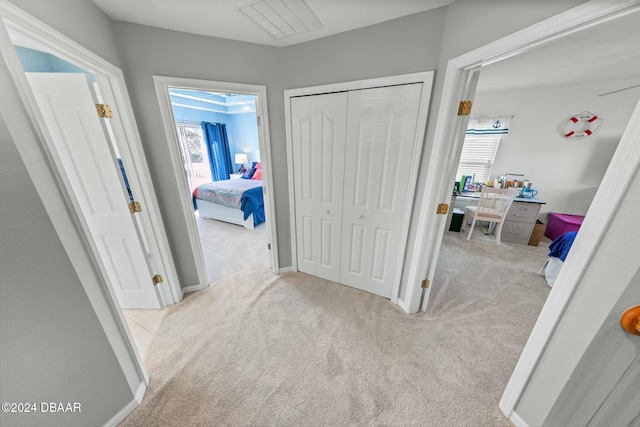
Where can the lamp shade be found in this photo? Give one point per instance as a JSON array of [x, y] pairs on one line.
[[241, 159]]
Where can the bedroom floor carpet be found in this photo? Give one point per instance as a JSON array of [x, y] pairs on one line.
[[256, 349]]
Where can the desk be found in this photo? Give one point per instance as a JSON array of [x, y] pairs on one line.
[[520, 219]]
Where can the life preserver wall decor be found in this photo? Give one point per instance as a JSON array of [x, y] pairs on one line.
[[582, 125]]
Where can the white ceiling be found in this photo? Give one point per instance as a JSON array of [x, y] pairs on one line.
[[219, 18], [607, 54]]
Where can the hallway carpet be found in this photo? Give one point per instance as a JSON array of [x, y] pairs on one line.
[[258, 349]]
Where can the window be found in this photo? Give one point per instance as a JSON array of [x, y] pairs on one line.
[[478, 154], [194, 155]]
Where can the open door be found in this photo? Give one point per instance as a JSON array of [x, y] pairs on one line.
[[68, 106]]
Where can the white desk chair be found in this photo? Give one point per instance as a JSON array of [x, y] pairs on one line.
[[492, 206]]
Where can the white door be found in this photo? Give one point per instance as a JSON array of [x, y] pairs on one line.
[[381, 134], [67, 104], [318, 126]]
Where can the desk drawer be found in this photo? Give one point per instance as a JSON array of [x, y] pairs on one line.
[[523, 212], [516, 232]]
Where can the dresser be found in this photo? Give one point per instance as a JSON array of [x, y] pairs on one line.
[[520, 219]]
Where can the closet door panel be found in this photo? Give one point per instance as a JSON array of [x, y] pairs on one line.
[[381, 133], [318, 126]]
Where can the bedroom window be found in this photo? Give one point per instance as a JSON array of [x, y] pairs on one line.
[[478, 155], [194, 155]]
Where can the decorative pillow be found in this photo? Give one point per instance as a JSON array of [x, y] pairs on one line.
[[248, 174], [257, 165], [257, 175]]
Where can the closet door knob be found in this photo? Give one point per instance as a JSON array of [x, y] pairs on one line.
[[360, 216]]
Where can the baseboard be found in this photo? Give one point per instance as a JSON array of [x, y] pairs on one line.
[[192, 288], [403, 305], [517, 420], [129, 408], [285, 270]]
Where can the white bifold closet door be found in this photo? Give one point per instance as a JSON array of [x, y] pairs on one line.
[[352, 152], [319, 131]]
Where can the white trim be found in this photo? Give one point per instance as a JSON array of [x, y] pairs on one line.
[[194, 288], [168, 121], [211, 101], [37, 35], [402, 305], [162, 85], [426, 78], [613, 190], [126, 131], [398, 79], [430, 227], [129, 408], [27, 123], [285, 270], [193, 107], [517, 421]]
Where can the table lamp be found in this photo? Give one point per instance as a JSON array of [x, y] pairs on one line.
[[241, 159]]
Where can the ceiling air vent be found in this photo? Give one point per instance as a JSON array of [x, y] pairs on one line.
[[282, 18]]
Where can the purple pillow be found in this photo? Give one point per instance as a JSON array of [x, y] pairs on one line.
[[248, 174]]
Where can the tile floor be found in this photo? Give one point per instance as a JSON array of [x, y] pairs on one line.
[[143, 325]]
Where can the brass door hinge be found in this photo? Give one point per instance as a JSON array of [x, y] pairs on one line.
[[443, 209], [258, 120], [269, 246], [425, 283], [104, 111], [135, 207], [465, 108], [157, 279]]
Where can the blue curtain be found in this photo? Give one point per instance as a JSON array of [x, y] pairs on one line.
[[215, 136]]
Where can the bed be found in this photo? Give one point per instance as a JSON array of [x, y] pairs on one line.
[[558, 251], [238, 201]]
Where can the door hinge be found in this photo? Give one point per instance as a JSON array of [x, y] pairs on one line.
[[258, 120], [157, 279], [465, 108], [104, 111], [425, 283], [443, 209], [269, 246], [135, 207]]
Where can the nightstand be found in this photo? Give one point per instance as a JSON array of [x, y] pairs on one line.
[[235, 176]]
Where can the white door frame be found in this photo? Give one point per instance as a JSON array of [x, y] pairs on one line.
[[27, 30], [426, 78], [162, 86], [443, 158], [34, 144], [447, 141]]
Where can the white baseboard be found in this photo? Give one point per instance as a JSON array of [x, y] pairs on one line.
[[517, 420], [403, 305], [129, 408], [192, 288], [285, 270]]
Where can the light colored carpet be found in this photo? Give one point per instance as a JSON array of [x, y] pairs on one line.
[[257, 349]]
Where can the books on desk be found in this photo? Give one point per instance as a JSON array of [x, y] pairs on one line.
[[465, 182]]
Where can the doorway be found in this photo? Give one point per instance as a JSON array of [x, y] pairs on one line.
[[218, 139], [239, 111], [121, 141], [457, 78]]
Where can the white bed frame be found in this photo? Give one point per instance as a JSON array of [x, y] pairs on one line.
[[223, 213]]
